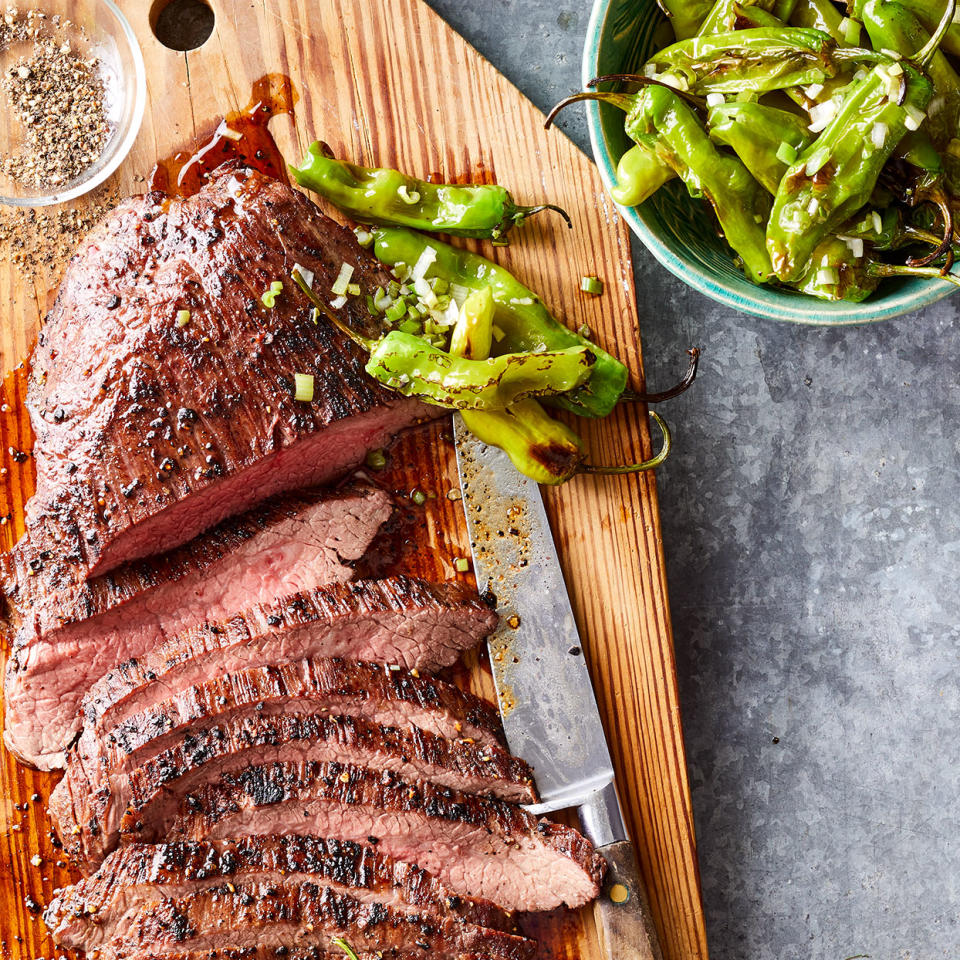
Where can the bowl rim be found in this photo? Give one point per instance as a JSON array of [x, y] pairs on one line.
[[125, 145], [788, 308]]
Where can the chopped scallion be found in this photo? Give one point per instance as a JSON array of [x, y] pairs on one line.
[[303, 383], [395, 311], [787, 153], [339, 287], [183, 318], [338, 302], [584, 331], [353, 289], [408, 196], [591, 285], [345, 947], [498, 334], [462, 564], [424, 261], [376, 460], [364, 237], [418, 497]]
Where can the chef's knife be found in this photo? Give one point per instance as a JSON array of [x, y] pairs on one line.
[[549, 710]]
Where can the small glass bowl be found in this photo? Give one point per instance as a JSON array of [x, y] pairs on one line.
[[97, 28]]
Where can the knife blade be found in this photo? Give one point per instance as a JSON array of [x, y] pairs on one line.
[[546, 697]]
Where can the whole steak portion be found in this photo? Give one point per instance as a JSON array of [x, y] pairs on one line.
[[162, 389]]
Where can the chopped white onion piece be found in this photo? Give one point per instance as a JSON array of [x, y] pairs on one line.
[[856, 247], [340, 285], [814, 90], [459, 293], [425, 292], [821, 115], [423, 263], [878, 134], [825, 259], [828, 275], [715, 99], [338, 303], [676, 81], [894, 70], [877, 221], [305, 273], [813, 206], [650, 70], [229, 132], [914, 117]]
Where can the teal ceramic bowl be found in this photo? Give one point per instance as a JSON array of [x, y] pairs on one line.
[[677, 229]]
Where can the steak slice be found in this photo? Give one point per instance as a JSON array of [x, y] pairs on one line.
[[69, 637], [398, 620], [149, 432], [476, 846], [381, 693], [86, 915], [90, 813], [304, 913]]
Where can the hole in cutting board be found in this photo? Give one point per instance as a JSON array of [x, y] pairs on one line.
[[182, 24]]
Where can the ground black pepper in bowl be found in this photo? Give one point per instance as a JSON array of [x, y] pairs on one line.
[[57, 96]]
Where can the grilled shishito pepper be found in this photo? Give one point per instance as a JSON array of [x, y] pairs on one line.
[[835, 176], [686, 16], [640, 174], [757, 133], [415, 368], [660, 118], [524, 322], [756, 60], [390, 198]]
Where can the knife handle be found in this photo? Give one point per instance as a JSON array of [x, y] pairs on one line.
[[623, 916]]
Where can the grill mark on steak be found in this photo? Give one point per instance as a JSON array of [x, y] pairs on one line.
[[89, 814], [475, 845], [86, 915], [305, 913], [70, 637], [119, 474], [397, 620]]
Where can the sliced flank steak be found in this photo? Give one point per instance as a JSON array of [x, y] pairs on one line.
[[69, 635], [87, 915], [90, 812], [399, 620], [475, 845], [302, 913]]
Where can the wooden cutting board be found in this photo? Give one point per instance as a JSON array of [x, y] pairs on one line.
[[387, 82]]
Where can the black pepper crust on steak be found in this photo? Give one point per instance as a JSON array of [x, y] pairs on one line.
[[476, 845], [86, 915], [148, 431], [303, 913], [92, 804]]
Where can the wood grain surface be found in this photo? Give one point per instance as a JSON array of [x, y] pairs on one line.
[[387, 82]]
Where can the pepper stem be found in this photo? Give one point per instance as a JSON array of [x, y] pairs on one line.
[[623, 101], [650, 464], [938, 197], [524, 212], [895, 270], [328, 312], [926, 52], [633, 396]]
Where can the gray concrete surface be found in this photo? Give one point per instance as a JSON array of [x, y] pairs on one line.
[[811, 522]]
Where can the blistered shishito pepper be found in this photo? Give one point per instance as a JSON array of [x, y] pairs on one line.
[[837, 273], [640, 174], [757, 60], [390, 198], [723, 15], [415, 368], [930, 14], [524, 322], [658, 115], [836, 174], [685, 16], [819, 15], [757, 134]]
